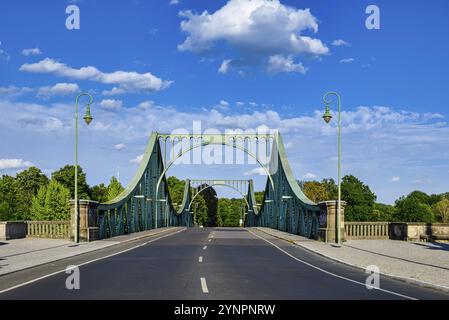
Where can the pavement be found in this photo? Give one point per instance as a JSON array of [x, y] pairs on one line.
[[206, 264], [21, 254], [422, 263]]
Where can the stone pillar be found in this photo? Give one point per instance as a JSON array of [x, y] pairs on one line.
[[88, 214], [328, 221]]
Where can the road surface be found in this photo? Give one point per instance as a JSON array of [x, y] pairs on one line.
[[221, 263]]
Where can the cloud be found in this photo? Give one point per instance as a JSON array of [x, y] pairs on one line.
[[347, 60], [111, 104], [259, 171], [279, 63], [174, 2], [14, 164], [137, 160], [146, 105], [31, 52], [253, 104], [254, 30], [4, 55], [309, 176], [240, 104], [58, 89], [395, 179], [224, 66], [125, 81], [339, 43], [120, 146]]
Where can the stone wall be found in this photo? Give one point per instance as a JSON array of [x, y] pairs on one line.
[[12, 230]]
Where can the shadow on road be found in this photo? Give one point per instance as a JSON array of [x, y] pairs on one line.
[[434, 245]]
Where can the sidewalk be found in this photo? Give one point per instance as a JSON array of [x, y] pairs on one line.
[[422, 263], [25, 253]]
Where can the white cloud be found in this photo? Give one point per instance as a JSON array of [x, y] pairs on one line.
[[137, 160], [339, 43], [174, 2], [14, 164], [4, 55], [240, 104], [258, 28], [58, 89], [309, 176], [347, 60], [146, 105], [120, 146], [31, 52], [253, 104], [279, 63], [111, 104], [224, 66], [125, 81], [395, 179], [259, 171]]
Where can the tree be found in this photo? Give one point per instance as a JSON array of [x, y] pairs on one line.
[[412, 209], [114, 189], [331, 188], [315, 191], [7, 197], [200, 210], [383, 212], [359, 199], [441, 210], [176, 189], [66, 177], [51, 203], [99, 193], [28, 183]]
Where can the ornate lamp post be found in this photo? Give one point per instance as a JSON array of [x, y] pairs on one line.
[[88, 119], [327, 118]]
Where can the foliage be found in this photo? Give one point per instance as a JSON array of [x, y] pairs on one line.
[[176, 189], [114, 189], [414, 208], [359, 199], [51, 203], [200, 210], [230, 211], [99, 193], [66, 177], [315, 191], [441, 210]]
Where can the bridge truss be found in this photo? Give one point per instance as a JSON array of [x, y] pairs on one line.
[[146, 203]]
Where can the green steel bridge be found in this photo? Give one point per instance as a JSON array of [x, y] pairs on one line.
[[146, 203]]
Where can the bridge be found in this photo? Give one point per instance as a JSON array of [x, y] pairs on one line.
[[159, 253], [146, 203]]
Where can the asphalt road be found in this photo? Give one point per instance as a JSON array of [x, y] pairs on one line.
[[204, 264]]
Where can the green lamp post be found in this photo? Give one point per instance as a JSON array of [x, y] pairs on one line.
[[88, 119], [327, 118]]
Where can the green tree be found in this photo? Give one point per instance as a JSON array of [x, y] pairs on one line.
[[441, 210], [66, 177], [51, 203], [28, 183], [10, 198], [176, 189], [331, 188], [99, 193], [114, 188], [414, 208], [315, 191], [359, 199], [383, 212], [199, 208]]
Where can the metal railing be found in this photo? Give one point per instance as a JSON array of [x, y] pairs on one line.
[[367, 230], [49, 229]]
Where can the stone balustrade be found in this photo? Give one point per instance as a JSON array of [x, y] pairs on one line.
[[367, 230], [49, 229]]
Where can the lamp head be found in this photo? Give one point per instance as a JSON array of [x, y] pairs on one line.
[[327, 115], [88, 117]]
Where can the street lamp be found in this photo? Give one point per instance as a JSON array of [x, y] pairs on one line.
[[327, 118], [88, 119]]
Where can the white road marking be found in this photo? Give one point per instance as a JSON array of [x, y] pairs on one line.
[[200, 259], [204, 285], [88, 262], [328, 272], [205, 247]]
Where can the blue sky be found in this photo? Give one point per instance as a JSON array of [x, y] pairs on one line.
[[157, 65]]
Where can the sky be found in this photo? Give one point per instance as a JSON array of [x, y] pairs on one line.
[[161, 65]]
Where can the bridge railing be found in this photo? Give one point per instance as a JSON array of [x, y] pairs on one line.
[[49, 229], [367, 230]]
